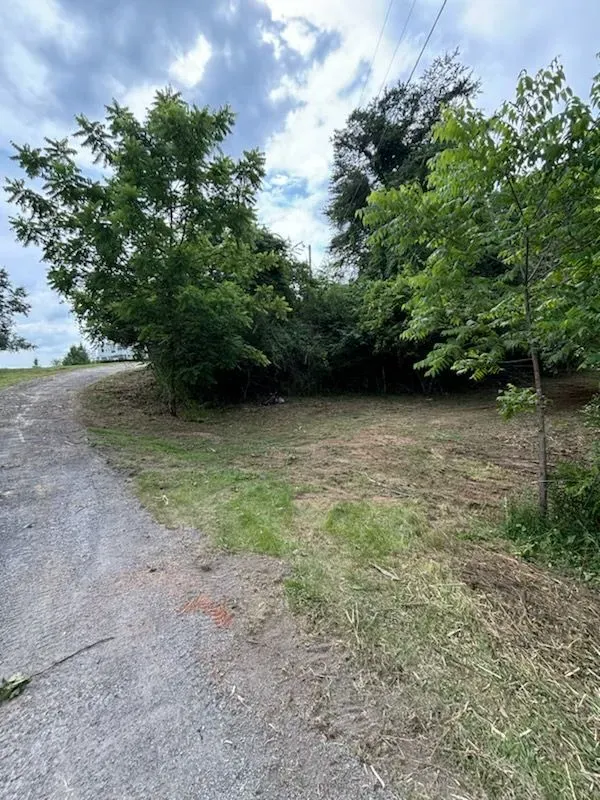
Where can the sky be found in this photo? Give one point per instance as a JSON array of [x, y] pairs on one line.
[[292, 70]]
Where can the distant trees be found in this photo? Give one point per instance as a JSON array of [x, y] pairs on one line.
[[510, 220], [76, 356], [384, 145], [13, 301]]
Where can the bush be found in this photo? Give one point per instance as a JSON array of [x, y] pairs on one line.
[[569, 536], [77, 355], [591, 413]]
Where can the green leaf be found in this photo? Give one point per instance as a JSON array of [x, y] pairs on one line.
[[13, 686], [514, 400]]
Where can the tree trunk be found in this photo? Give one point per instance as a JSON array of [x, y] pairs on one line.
[[540, 401], [172, 395], [540, 406]]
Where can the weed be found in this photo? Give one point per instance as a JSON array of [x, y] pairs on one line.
[[569, 535]]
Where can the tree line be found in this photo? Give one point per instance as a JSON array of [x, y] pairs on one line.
[[462, 241], [164, 253]]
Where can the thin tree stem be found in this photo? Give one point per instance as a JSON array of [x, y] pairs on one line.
[[540, 402], [541, 434]]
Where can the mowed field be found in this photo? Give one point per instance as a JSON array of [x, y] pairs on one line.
[[468, 672]]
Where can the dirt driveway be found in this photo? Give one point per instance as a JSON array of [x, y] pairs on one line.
[[141, 715]]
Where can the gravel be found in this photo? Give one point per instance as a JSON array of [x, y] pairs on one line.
[[141, 715]]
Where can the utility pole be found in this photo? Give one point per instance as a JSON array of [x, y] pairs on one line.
[[310, 260]]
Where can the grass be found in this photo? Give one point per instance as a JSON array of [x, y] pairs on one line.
[[8, 377], [247, 512], [482, 663]]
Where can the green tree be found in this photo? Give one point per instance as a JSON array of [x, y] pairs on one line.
[[77, 355], [158, 253], [385, 145], [515, 191], [13, 301]]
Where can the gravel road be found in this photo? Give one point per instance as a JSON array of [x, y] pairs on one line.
[[139, 716]]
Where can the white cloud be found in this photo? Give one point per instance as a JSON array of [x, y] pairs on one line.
[[497, 37], [50, 327], [25, 71], [188, 68], [301, 221], [329, 14], [228, 54], [273, 38], [302, 148], [29, 31], [300, 36], [228, 10], [287, 87], [280, 179], [138, 98], [295, 33], [493, 19], [27, 77], [37, 332], [42, 19]]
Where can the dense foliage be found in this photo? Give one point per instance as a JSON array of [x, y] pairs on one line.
[[160, 250], [509, 218], [568, 534], [13, 301], [387, 144], [483, 245], [76, 356], [158, 253]]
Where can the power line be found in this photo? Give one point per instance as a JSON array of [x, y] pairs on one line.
[[429, 35], [400, 40], [370, 70], [416, 64], [412, 72]]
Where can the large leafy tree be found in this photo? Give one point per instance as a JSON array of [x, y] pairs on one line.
[[386, 144], [157, 251], [13, 301], [510, 220]]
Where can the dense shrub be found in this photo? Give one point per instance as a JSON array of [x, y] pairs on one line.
[[569, 536], [326, 344], [77, 355]]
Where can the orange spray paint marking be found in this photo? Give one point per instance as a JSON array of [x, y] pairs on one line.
[[216, 611]]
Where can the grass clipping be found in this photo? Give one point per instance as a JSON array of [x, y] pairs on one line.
[[485, 666], [483, 660], [12, 687]]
